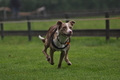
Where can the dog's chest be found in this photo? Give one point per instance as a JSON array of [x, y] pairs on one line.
[[57, 43], [59, 46]]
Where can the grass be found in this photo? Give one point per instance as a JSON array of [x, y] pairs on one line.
[[93, 59]]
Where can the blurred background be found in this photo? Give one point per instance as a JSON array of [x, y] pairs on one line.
[[59, 8]]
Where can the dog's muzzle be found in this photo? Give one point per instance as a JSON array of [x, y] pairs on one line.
[[70, 33]]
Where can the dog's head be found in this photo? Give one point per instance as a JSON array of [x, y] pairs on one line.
[[65, 28]]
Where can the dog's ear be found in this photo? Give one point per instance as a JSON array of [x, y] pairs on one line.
[[59, 23], [72, 22]]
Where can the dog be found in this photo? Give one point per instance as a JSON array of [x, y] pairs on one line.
[[58, 39]]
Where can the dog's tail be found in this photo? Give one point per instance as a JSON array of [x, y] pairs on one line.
[[43, 39]]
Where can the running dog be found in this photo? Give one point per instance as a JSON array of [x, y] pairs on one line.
[[58, 39]]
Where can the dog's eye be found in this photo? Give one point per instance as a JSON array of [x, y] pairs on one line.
[[70, 27]]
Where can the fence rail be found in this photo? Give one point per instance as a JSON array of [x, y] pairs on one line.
[[83, 32]]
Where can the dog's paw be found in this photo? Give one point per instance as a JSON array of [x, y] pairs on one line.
[[48, 59], [52, 63], [69, 63]]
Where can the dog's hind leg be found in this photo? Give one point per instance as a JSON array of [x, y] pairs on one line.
[[45, 53]]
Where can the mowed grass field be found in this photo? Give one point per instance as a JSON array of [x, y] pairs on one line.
[[92, 57]]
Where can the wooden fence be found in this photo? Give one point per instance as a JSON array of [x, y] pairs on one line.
[[83, 32]]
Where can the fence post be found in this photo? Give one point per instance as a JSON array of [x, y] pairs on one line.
[[107, 26], [29, 29], [66, 17], [2, 30]]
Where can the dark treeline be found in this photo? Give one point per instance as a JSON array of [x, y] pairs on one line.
[[66, 5]]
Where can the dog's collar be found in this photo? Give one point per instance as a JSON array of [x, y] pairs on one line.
[[66, 43]]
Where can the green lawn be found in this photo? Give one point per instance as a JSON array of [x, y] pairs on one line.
[[92, 57]]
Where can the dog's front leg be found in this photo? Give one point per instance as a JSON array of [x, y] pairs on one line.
[[66, 58], [51, 56], [61, 58]]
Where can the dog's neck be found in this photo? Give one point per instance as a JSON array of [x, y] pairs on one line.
[[61, 38]]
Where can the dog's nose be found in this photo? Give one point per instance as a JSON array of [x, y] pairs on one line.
[[70, 32]]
